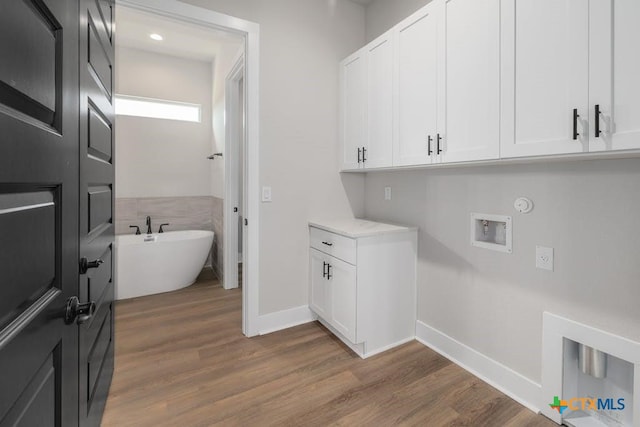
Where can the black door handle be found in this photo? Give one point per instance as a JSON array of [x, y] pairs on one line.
[[86, 265], [324, 269], [598, 131], [438, 148], [429, 150], [575, 123], [329, 275], [359, 155], [364, 152], [78, 312]]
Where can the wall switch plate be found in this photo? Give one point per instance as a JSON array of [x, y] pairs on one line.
[[544, 258], [387, 193], [266, 194]]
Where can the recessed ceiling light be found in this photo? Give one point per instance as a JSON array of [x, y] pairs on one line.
[[157, 37]]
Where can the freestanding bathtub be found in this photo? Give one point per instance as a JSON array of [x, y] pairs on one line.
[[156, 263]]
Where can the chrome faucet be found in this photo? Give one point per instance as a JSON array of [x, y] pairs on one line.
[[149, 225]]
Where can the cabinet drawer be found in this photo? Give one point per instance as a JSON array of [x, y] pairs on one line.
[[333, 244]]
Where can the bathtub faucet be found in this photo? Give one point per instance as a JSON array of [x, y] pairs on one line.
[[149, 225]]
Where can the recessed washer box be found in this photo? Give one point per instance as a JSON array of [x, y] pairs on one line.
[[491, 232]]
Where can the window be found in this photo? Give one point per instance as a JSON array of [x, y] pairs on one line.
[[156, 108]]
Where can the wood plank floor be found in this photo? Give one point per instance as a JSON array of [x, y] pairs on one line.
[[181, 360]]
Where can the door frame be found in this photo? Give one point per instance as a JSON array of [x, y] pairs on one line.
[[231, 166], [250, 31]]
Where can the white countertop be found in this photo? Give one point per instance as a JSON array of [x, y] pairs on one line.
[[354, 227]]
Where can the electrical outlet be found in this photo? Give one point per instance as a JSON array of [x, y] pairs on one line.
[[266, 194], [544, 258], [387, 193]]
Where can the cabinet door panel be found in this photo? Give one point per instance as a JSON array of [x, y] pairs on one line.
[[379, 102], [343, 298], [614, 71], [353, 79], [416, 87], [545, 66], [471, 48], [319, 293]]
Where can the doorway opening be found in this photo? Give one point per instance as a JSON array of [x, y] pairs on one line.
[[232, 157]]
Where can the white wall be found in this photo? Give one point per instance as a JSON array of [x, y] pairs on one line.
[[493, 302], [163, 158], [301, 43]]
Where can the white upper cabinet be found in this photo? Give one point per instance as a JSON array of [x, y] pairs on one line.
[[366, 106], [353, 108], [614, 75], [545, 77], [378, 149], [416, 88], [473, 80], [469, 116]]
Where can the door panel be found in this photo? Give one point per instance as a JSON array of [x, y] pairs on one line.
[[470, 40], [96, 205], [380, 102], [545, 67], [319, 284], [416, 87], [100, 140], [353, 79], [38, 211], [614, 69], [343, 298], [28, 82], [37, 241]]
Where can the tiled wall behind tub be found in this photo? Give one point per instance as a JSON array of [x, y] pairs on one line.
[[182, 213]]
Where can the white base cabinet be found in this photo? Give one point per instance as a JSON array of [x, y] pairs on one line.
[[363, 282]]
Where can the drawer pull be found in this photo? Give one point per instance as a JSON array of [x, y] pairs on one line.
[[327, 243]]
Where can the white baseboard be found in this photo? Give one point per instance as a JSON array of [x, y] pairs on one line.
[[284, 319], [508, 381]]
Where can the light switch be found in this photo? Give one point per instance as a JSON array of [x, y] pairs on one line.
[[387, 193], [266, 194], [544, 258]]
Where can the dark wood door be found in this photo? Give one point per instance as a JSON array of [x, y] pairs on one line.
[[96, 204], [38, 211]]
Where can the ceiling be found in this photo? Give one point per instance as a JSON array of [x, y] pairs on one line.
[[184, 40]]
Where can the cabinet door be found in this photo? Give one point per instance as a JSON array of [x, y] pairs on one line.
[[342, 277], [319, 293], [353, 82], [416, 87], [545, 66], [379, 102], [614, 70], [470, 46]]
